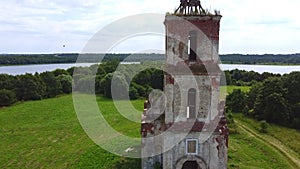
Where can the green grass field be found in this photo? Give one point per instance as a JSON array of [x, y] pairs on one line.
[[47, 134], [225, 90], [260, 147], [288, 137], [242, 88]]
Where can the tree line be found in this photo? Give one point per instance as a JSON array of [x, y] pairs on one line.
[[261, 59], [25, 59], [246, 78], [34, 87], [275, 100], [133, 80], [22, 59], [97, 78], [273, 97]]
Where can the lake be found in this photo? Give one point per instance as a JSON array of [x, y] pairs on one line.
[[277, 69], [22, 69]]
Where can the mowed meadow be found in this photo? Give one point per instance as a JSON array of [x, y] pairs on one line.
[[47, 134]]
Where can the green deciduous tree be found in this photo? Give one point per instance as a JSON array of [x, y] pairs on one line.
[[142, 91], [157, 77], [236, 101], [264, 126], [58, 72], [7, 97], [143, 78], [105, 84], [66, 83], [52, 84], [270, 104], [252, 95], [150, 77], [7, 82], [86, 84], [228, 78], [292, 95], [133, 93], [30, 87], [119, 86], [109, 66], [276, 109]]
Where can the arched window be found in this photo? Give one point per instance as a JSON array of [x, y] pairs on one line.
[[192, 46], [192, 103]]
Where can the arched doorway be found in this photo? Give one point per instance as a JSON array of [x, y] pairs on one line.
[[190, 165], [191, 162]]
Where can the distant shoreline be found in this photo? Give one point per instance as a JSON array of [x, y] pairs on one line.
[[40, 68], [68, 58]]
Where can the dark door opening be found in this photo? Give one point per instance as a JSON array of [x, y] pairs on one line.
[[190, 165]]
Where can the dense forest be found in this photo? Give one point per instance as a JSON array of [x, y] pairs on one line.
[[261, 59], [274, 98], [246, 78], [85, 79], [22, 59]]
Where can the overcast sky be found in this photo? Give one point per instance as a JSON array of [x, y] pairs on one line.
[[55, 26]]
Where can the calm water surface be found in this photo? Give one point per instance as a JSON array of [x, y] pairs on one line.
[[23, 69], [17, 70], [262, 68]]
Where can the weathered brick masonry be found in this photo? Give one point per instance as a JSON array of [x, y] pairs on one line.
[[192, 130]]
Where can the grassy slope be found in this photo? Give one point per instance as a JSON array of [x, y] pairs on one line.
[[258, 148], [46, 134], [285, 142], [41, 134], [288, 137], [224, 90], [231, 88]]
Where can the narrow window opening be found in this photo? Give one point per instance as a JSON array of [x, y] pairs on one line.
[[191, 108], [192, 46], [189, 46]]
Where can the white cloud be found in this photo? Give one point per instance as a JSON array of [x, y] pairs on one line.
[[247, 26], [259, 26]]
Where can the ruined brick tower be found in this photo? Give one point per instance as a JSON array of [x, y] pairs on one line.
[[190, 132]]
